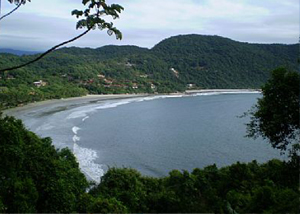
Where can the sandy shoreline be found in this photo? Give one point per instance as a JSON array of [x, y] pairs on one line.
[[69, 102], [95, 98]]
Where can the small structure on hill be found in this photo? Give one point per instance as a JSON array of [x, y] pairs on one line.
[[135, 86], [144, 76], [40, 83], [101, 76], [153, 87], [190, 85], [175, 72]]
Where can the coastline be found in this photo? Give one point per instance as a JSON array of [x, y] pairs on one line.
[[221, 91], [91, 98], [69, 102], [78, 109]]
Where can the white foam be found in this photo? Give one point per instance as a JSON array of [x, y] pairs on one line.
[[79, 113], [225, 92], [87, 117], [82, 112], [44, 127], [86, 158], [114, 104], [176, 96], [207, 94], [76, 138], [160, 97], [147, 98], [75, 130]]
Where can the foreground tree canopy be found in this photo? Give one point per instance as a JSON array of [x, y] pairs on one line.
[[35, 177], [276, 115]]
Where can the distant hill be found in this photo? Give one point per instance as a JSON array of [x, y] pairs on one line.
[[175, 64], [214, 61], [18, 52]]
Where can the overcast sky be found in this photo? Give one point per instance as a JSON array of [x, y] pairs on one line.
[[41, 24]]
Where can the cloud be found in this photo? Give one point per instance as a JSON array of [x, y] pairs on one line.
[[146, 23]]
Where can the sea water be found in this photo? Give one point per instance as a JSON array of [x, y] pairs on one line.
[[154, 134]]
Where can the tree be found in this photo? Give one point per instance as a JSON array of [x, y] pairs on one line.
[[90, 19], [34, 176], [276, 115], [17, 2]]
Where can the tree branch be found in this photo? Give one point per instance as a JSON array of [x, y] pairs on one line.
[[19, 5], [47, 52]]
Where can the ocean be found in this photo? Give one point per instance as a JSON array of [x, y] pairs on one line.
[[153, 134]]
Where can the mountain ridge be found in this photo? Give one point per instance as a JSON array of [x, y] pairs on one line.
[[18, 52], [175, 64]]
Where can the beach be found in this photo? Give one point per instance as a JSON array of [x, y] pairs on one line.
[[77, 101], [68, 102]]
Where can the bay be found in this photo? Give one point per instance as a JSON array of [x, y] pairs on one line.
[[154, 134]]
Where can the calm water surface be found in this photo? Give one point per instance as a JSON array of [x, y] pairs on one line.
[[154, 135]]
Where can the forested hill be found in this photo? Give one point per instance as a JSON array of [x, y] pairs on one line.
[[175, 64], [214, 61]]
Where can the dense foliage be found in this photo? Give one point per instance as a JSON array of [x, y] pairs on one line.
[[245, 188], [34, 177], [276, 115], [172, 65], [217, 62]]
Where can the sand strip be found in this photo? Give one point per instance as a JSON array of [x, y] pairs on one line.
[[68, 102]]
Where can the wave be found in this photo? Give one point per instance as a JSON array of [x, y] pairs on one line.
[[115, 104], [160, 97], [82, 112], [87, 117], [224, 92], [76, 138], [75, 130], [86, 158], [45, 127]]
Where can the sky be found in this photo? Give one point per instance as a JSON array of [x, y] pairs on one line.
[[40, 24]]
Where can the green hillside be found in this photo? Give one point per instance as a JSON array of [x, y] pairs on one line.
[[175, 64], [217, 62]]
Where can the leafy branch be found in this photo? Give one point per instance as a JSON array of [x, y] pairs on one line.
[[90, 19], [18, 3], [45, 53]]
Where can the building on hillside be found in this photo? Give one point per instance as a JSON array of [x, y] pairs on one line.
[[135, 86], [153, 87], [128, 64], [108, 81], [10, 77], [190, 85], [40, 83], [175, 72], [100, 76]]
